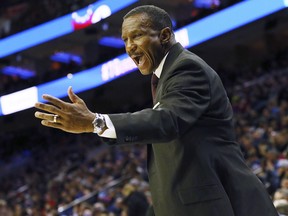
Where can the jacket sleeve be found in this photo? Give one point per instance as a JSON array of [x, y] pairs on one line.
[[184, 96]]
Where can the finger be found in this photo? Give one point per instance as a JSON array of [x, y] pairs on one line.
[[51, 124], [48, 117], [73, 97], [53, 100], [48, 108]]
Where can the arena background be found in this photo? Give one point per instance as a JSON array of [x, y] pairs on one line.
[[48, 172]]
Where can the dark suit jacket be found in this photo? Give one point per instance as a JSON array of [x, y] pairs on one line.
[[195, 166]]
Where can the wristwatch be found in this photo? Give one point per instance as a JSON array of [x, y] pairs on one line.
[[99, 124]]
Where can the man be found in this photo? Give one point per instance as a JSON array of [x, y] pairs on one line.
[[195, 166]]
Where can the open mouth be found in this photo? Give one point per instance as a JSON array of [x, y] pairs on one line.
[[136, 59], [139, 60]]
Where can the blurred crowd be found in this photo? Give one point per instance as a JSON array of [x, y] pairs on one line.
[[260, 102], [45, 178]]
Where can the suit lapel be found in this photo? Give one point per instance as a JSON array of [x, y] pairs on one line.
[[170, 60], [173, 54]]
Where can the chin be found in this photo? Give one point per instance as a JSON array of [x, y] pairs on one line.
[[145, 72]]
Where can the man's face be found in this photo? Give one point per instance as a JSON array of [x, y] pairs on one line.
[[142, 43]]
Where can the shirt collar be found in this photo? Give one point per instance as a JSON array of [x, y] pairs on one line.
[[159, 69]]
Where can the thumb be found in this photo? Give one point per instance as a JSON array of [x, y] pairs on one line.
[[72, 96]]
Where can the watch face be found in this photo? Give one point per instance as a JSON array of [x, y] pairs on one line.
[[99, 123]]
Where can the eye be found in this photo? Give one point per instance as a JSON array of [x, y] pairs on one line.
[[124, 39], [138, 35]]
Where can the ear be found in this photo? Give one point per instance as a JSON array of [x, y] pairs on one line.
[[165, 35]]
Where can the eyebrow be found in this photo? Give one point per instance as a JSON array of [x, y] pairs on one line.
[[133, 32]]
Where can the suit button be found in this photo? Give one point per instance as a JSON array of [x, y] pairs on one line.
[[131, 138], [127, 139]]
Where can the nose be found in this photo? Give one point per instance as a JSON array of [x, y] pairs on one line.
[[130, 46]]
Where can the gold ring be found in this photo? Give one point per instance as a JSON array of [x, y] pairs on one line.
[[55, 118]]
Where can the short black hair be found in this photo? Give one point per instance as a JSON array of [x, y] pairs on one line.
[[159, 18]]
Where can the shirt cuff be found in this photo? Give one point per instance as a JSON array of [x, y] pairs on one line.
[[110, 132]]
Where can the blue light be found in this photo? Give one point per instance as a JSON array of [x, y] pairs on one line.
[[66, 58], [18, 71], [80, 82], [231, 18], [89, 78], [51, 30], [206, 3], [34, 36], [111, 42]]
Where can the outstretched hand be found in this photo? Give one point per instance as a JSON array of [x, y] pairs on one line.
[[72, 117]]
